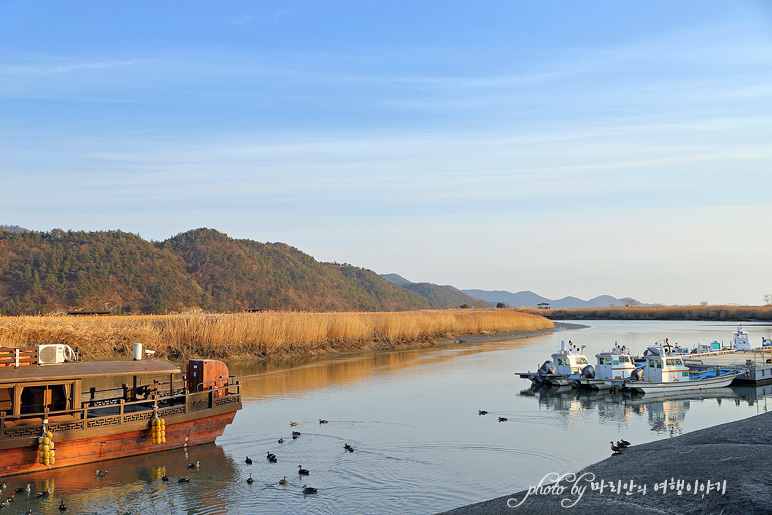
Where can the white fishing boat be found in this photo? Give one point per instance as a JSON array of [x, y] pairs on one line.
[[613, 364], [563, 370], [663, 373]]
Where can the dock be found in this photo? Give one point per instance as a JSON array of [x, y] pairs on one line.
[[758, 362]]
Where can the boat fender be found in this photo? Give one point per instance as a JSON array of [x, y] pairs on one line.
[[588, 372], [636, 375], [547, 368], [158, 431], [46, 449]]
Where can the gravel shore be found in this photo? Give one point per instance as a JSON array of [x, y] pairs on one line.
[[731, 460]]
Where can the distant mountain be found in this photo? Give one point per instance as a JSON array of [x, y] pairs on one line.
[[531, 299], [439, 296], [13, 228]]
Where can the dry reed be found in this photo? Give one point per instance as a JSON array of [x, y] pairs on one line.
[[259, 335], [717, 313]]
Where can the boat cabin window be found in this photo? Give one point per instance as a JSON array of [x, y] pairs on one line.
[[655, 363], [616, 362], [604, 361], [34, 399], [624, 359], [581, 361]]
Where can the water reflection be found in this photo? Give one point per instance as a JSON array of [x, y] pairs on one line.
[[665, 414], [135, 485]]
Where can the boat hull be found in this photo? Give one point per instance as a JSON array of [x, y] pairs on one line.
[[677, 386], [77, 451]]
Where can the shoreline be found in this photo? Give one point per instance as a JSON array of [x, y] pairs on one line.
[[737, 453]]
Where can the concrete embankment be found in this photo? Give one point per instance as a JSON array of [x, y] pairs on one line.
[[728, 465]]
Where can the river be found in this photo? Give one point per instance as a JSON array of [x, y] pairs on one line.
[[420, 445]]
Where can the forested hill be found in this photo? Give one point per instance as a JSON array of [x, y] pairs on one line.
[[44, 272]]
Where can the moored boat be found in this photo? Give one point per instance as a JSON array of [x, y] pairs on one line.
[[55, 412], [565, 367], [664, 373], [613, 364]]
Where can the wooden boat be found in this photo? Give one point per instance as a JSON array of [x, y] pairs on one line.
[[86, 424]]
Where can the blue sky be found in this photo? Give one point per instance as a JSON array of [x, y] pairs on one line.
[[569, 148]]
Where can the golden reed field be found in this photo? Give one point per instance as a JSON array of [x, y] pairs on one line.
[[259, 335], [717, 313]]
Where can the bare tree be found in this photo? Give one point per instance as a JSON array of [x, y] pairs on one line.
[[768, 300]]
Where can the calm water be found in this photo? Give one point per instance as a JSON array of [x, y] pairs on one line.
[[420, 446]]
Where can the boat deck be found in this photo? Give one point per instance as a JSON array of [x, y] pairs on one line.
[[757, 362]]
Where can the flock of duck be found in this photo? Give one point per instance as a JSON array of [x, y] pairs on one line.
[[271, 457], [27, 490]]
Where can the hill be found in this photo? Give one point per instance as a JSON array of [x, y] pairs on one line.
[[531, 299], [439, 296], [200, 269]]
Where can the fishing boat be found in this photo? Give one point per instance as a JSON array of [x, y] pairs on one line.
[[565, 367], [664, 373], [613, 364], [55, 410]]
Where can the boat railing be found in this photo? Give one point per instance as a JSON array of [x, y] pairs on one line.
[[18, 356], [97, 412]]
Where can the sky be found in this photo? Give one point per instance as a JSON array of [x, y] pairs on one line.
[[567, 148]]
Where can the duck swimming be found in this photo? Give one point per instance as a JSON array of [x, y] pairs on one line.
[[293, 424], [503, 419], [308, 490], [183, 480], [62, 507], [281, 440], [482, 412], [283, 481], [195, 465], [348, 448], [248, 461], [250, 480], [322, 421], [302, 471]]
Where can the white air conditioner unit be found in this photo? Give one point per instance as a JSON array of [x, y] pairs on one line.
[[51, 354]]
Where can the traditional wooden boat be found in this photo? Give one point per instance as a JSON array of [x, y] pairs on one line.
[[57, 415]]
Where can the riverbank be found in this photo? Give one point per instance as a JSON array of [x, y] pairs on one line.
[[697, 313], [265, 335], [721, 469]]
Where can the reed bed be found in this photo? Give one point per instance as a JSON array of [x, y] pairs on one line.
[[716, 313], [260, 335]]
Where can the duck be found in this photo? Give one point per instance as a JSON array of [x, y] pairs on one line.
[[283, 481], [248, 461], [281, 440], [3, 486], [100, 473], [62, 506], [302, 471], [271, 457], [295, 434], [348, 448], [29, 512], [250, 480], [44, 492], [322, 421], [624, 443], [164, 478], [503, 419], [482, 412], [183, 480], [27, 488], [195, 465], [309, 489], [293, 424], [615, 448]]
